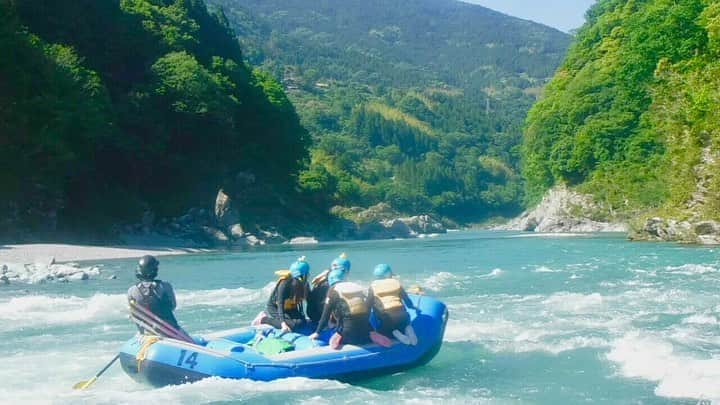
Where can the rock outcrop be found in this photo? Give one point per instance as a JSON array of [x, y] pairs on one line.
[[226, 215], [699, 215], [223, 226], [661, 229], [382, 222], [565, 210], [35, 273]]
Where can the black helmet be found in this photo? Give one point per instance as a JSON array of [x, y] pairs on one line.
[[147, 268]]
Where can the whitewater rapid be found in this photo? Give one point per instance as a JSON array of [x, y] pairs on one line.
[[630, 321]]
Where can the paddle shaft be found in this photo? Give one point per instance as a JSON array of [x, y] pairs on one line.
[[154, 327], [149, 315], [117, 356], [92, 380]]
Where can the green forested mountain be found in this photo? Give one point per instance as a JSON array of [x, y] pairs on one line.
[[109, 108], [417, 103], [631, 116]]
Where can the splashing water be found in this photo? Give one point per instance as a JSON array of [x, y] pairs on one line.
[[541, 320]]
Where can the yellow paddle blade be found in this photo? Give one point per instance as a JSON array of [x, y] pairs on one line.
[[84, 384]]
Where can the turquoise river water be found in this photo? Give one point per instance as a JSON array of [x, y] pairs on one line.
[[534, 319]]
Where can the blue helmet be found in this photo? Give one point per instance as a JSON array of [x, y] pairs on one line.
[[335, 277], [299, 268], [341, 263], [382, 271]]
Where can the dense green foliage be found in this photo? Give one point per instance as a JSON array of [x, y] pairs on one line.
[[631, 112], [112, 107], [416, 103]]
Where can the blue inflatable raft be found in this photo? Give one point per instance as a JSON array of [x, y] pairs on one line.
[[233, 354]]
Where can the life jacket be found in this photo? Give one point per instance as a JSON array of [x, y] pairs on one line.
[[290, 303], [316, 297], [154, 296], [387, 294], [354, 297]]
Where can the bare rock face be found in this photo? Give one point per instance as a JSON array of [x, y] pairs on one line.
[[707, 228], [373, 230], [660, 229], [688, 231], [272, 238], [398, 228], [424, 224], [215, 235], [225, 214], [237, 231], [565, 210]]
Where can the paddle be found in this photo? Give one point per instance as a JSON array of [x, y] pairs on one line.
[[151, 325], [84, 384], [149, 317]]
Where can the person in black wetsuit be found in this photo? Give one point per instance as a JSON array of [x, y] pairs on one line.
[[347, 303], [386, 298], [285, 307], [320, 287], [156, 295]]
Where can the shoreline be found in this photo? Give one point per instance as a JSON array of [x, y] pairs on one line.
[[65, 253]]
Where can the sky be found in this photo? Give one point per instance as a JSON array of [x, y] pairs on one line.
[[564, 15]]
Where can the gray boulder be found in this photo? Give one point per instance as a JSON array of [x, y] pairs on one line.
[[249, 240], [708, 232], [272, 238], [398, 228], [707, 228], [215, 235], [424, 224], [236, 231], [373, 230]]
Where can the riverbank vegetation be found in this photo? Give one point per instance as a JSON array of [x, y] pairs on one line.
[[630, 115], [114, 108], [418, 104]]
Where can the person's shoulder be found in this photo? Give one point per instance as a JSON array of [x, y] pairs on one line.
[[133, 289]]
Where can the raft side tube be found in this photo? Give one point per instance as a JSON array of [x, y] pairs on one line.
[[225, 355]]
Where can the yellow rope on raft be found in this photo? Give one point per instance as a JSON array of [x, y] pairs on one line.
[[147, 341]]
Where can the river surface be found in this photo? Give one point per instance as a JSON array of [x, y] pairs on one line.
[[534, 319]]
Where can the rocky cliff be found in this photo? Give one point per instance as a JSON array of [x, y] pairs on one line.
[[566, 210]]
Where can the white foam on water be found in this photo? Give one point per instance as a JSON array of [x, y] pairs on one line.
[[224, 296], [545, 269], [691, 269], [493, 274], [516, 337], [39, 310], [43, 310], [573, 302], [701, 319], [678, 375], [549, 235], [440, 280], [666, 301], [206, 391], [469, 331], [43, 374]]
